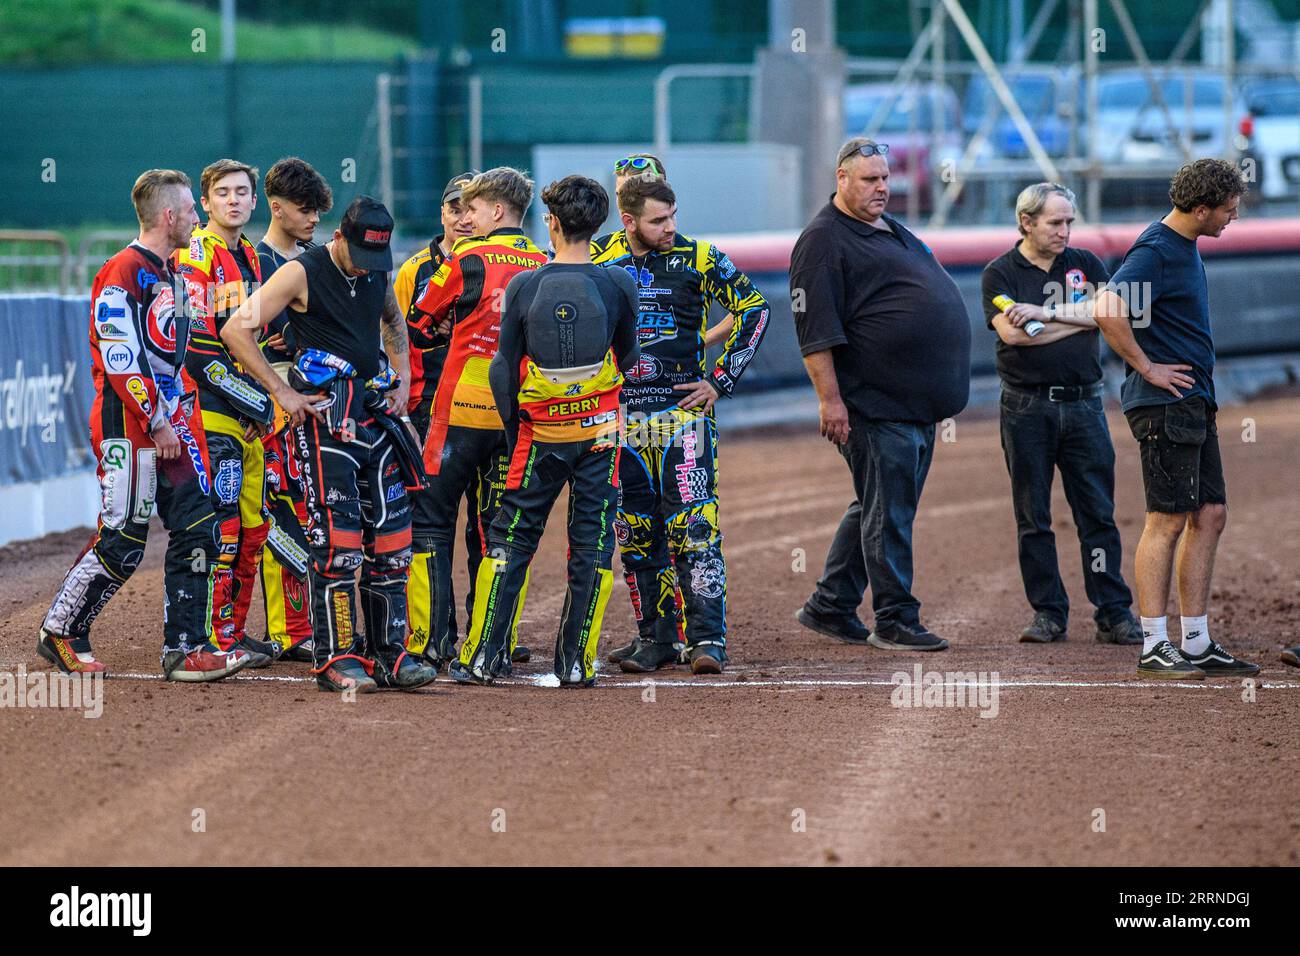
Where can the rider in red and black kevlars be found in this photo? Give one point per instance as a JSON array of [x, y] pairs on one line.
[[358, 458], [149, 446], [220, 270]]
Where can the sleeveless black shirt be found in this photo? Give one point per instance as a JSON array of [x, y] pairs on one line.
[[336, 320]]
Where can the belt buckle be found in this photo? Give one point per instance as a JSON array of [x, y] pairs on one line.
[[1056, 393]]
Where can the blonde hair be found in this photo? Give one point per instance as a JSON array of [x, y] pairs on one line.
[[149, 195], [1033, 198], [502, 184]]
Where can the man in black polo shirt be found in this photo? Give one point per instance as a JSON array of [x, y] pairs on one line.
[[886, 340], [1052, 414]]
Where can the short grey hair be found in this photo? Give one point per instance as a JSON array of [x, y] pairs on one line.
[[1033, 198], [850, 149], [502, 184]]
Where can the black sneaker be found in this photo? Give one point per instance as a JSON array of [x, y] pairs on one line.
[[1216, 662], [906, 637], [1124, 631], [707, 659], [1044, 630], [520, 655], [260, 653], [650, 657], [346, 673], [619, 654], [1163, 662], [846, 628], [1291, 656], [408, 673]]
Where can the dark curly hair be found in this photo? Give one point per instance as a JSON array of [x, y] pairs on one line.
[[1205, 182], [294, 180]]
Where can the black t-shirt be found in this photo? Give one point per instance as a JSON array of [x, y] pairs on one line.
[[270, 259], [1076, 274], [563, 315], [337, 321], [893, 318]]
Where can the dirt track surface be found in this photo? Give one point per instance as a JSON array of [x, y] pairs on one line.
[[718, 770]]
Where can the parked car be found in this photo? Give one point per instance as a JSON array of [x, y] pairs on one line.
[[1046, 97], [1273, 124], [1132, 127], [916, 160]]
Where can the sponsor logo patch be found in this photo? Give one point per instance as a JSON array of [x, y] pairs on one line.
[[118, 357], [229, 476]]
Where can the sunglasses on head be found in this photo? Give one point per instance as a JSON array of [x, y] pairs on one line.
[[868, 150], [636, 164]]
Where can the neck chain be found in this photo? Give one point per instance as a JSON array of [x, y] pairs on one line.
[[350, 280]]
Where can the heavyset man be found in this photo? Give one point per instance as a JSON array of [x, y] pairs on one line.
[[297, 196], [568, 329], [221, 269], [356, 456], [668, 479], [1052, 415], [465, 443], [886, 341], [1168, 399], [147, 440]]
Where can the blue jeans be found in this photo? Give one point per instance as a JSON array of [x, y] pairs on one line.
[[873, 544], [1038, 437]]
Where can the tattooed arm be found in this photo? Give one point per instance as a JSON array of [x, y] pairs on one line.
[[397, 345]]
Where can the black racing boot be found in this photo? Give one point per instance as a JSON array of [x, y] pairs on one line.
[[649, 657], [619, 654]]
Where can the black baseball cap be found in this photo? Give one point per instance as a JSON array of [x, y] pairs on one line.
[[456, 184], [368, 227]]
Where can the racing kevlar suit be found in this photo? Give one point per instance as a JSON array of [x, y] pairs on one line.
[[465, 444], [562, 424], [357, 465], [134, 345], [668, 475], [428, 355], [217, 280], [284, 568]]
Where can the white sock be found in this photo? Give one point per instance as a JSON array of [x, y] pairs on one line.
[[1154, 630], [1196, 634]]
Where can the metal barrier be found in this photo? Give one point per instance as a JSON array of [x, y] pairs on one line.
[[89, 260], [22, 270]]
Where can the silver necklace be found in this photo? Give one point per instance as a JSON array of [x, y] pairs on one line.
[[350, 280]]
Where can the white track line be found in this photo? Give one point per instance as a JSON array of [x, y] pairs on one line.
[[708, 684]]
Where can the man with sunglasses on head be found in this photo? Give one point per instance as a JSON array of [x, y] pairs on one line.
[[667, 522], [650, 165], [886, 340]]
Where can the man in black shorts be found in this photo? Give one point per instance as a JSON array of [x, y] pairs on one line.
[[571, 325], [357, 457], [1168, 398]]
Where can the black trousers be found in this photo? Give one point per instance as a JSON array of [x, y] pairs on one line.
[[474, 463], [889, 462], [539, 472], [1038, 438], [486, 489]]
